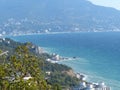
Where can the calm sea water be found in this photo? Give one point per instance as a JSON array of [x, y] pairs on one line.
[[99, 53]]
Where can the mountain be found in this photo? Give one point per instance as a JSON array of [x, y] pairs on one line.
[[54, 15]]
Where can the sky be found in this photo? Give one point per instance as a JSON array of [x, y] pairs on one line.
[[108, 3]]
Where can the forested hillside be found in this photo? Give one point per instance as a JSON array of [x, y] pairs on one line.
[[24, 63]]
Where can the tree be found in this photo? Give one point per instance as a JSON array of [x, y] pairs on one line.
[[21, 64], [57, 87]]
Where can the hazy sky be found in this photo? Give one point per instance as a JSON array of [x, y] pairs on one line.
[[109, 3]]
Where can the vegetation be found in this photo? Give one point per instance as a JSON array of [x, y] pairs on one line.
[[59, 76], [21, 64], [9, 45], [24, 62]]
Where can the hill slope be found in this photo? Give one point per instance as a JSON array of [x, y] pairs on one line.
[[63, 15]]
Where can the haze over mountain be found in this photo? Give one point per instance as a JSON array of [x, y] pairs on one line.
[[108, 3], [66, 15]]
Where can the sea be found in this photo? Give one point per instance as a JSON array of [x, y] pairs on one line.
[[98, 53]]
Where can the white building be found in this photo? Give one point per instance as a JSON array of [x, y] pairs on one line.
[[82, 85], [100, 86], [48, 72], [90, 87], [55, 57], [27, 77]]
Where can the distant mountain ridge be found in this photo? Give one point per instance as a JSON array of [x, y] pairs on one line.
[[78, 15]]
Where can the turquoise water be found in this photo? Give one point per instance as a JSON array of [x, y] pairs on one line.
[[99, 53]]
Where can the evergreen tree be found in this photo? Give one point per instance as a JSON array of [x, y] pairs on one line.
[[21, 64]]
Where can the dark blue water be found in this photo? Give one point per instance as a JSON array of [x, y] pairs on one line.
[[99, 53]]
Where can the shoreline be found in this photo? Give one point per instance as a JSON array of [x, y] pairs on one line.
[[54, 33], [50, 33], [84, 78], [29, 34]]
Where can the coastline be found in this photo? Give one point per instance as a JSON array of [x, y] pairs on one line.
[[84, 78], [54, 33], [29, 34]]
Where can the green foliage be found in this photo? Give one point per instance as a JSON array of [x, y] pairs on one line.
[[57, 87], [21, 64], [58, 76], [0, 51], [4, 45], [63, 79], [55, 67], [24, 61]]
